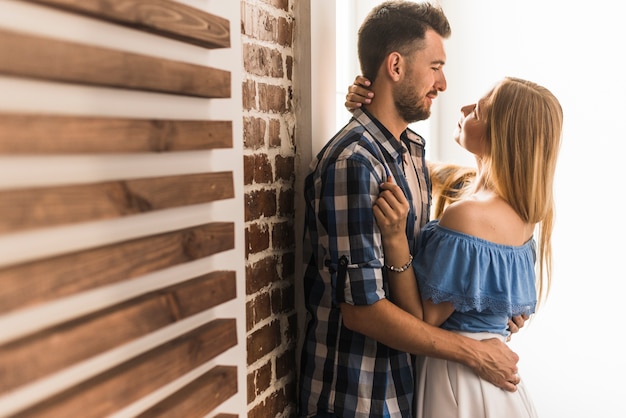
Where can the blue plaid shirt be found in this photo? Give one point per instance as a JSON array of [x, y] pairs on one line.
[[343, 371]]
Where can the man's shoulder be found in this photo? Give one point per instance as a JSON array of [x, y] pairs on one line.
[[353, 140]]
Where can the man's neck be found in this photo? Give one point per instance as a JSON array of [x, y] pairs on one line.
[[386, 113]]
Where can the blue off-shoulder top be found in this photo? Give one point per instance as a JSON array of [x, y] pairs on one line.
[[487, 283]]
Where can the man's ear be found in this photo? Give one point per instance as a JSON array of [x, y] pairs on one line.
[[394, 65]]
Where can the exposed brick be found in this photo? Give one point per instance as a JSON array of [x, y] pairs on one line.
[[268, 32], [258, 309], [276, 300], [279, 4], [272, 98], [284, 32], [261, 274], [274, 133], [260, 203], [285, 364], [253, 132], [257, 169], [257, 238], [282, 300], [283, 235], [289, 302], [289, 65], [248, 95], [292, 330], [248, 169], [250, 315], [263, 341], [248, 16], [286, 202], [262, 169], [257, 23], [291, 392], [288, 261], [263, 61], [285, 168], [275, 404], [259, 381]]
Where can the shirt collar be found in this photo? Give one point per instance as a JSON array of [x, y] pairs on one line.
[[384, 137]]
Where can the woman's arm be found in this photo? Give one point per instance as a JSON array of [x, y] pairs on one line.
[[436, 313], [391, 210]]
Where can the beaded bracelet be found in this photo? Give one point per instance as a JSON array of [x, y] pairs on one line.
[[403, 268]]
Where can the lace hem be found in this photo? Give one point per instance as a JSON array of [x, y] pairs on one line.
[[478, 303]]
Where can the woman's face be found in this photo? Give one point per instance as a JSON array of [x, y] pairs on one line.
[[472, 128]]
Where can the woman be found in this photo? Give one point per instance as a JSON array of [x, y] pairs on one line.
[[474, 268]]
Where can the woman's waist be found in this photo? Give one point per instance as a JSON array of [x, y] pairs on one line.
[[478, 323], [482, 335]]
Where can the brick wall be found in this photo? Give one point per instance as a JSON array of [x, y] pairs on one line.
[[269, 154]]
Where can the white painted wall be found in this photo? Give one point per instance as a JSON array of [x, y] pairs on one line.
[[569, 356], [571, 359]]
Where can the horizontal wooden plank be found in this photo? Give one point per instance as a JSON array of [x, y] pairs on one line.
[[44, 58], [163, 17], [53, 134], [44, 207], [199, 397], [135, 379], [51, 350], [45, 280]]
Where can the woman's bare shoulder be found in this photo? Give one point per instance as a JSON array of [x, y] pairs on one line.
[[462, 216], [491, 219]]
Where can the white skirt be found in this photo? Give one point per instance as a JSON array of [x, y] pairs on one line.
[[445, 389]]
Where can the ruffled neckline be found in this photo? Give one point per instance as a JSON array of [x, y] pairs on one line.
[[475, 274]]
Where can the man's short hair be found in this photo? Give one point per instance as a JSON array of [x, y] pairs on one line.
[[395, 26]]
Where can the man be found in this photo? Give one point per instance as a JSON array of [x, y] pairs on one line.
[[356, 359]]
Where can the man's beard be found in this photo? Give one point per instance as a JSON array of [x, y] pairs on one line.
[[408, 104]]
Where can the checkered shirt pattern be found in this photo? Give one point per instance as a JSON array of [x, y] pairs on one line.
[[343, 371]]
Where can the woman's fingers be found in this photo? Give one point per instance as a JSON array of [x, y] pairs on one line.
[[362, 81], [358, 93], [394, 195], [391, 207]]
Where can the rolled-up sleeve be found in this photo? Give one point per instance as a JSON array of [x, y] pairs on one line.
[[348, 190]]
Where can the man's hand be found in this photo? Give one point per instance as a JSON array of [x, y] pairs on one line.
[[358, 93], [498, 364]]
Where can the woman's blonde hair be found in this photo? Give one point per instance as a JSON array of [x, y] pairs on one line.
[[524, 127], [449, 183]]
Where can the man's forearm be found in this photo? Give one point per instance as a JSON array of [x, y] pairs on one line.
[[390, 325]]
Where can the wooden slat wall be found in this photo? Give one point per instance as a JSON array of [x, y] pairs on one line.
[[52, 134], [166, 18], [146, 324], [23, 55], [41, 207]]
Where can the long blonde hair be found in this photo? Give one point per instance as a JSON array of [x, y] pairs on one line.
[[449, 183], [524, 128]]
